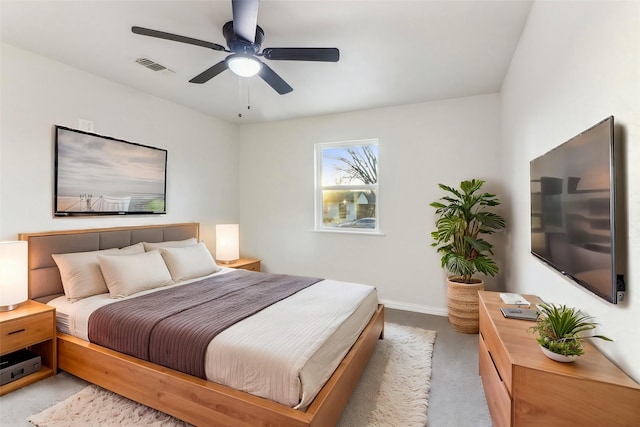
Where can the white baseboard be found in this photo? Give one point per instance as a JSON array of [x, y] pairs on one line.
[[436, 311]]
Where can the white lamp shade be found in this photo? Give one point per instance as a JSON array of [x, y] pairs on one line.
[[13, 274], [227, 242]]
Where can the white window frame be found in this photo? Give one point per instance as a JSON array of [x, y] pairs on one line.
[[319, 205]]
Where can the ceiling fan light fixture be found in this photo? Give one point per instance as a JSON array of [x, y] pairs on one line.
[[243, 65]]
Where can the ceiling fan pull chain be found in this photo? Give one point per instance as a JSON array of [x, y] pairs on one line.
[[240, 79], [248, 95]]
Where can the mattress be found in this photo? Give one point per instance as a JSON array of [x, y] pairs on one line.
[[284, 353]]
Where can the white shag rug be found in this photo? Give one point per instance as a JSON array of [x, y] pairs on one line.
[[393, 391]]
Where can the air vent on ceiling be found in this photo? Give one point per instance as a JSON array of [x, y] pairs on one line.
[[153, 65]]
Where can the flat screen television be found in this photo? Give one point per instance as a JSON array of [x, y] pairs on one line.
[[573, 210], [100, 175]]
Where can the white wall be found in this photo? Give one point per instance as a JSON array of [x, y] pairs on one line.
[[577, 63], [420, 145], [38, 93]]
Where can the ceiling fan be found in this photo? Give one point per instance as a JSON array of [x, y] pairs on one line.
[[244, 38]]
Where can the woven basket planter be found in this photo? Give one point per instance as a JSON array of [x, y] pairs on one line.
[[463, 305]]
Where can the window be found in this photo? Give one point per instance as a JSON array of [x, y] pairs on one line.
[[347, 186]]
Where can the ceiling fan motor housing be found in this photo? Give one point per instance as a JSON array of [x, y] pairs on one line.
[[239, 45]]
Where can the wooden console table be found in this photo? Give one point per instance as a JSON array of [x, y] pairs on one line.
[[525, 388]]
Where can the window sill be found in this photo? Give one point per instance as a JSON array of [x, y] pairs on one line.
[[352, 231]]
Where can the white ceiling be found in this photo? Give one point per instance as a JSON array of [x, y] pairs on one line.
[[391, 52]]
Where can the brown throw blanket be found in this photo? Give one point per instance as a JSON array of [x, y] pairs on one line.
[[173, 327]]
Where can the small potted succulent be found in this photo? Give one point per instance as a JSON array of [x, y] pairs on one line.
[[559, 328]]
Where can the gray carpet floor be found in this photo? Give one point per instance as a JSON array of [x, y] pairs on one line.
[[456, 398]]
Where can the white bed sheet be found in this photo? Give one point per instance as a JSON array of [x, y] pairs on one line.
[[321, 322]]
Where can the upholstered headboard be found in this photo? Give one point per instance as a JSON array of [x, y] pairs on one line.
[[44, 277]]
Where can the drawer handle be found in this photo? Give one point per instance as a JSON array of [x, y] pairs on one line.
[[17, 332], [495, 366]]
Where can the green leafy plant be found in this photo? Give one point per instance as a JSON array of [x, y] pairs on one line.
[[464, 215], [559, 329]]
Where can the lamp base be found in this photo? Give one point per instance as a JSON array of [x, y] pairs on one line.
[[231, 261], [9, 307]]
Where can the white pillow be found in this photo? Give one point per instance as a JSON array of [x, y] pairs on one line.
[[138, 248], [170, 244], [127, 275], [80, 271], [189, 262]]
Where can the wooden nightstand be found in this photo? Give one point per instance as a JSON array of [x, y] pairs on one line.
[[243, 263], [30, 326]]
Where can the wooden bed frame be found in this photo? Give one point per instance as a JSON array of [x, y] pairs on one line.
[[186, 397]]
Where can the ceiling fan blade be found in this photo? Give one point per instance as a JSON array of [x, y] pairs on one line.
[[325, 54], [209, 73], [245, 18], [176, 38], [274, 80]]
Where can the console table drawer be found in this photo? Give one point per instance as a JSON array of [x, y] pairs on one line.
[[495, 347], [496, 393]]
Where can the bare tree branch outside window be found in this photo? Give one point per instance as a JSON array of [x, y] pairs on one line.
[[362, 165]]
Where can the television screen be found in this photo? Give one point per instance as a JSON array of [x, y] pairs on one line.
[[572, 209], [100, 175]]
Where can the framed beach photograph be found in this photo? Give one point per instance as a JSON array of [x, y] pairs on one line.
[[100, 175]]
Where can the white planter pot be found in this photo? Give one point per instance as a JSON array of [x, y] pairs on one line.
[[557, 357]]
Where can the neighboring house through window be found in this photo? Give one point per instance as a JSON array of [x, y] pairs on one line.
[[347, 186]]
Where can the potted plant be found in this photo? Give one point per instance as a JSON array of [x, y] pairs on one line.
[[463, 216], [559, 329]]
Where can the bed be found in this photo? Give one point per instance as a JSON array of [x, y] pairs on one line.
[[188, 397]]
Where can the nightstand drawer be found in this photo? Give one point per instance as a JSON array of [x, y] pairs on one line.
[[25, 331]]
